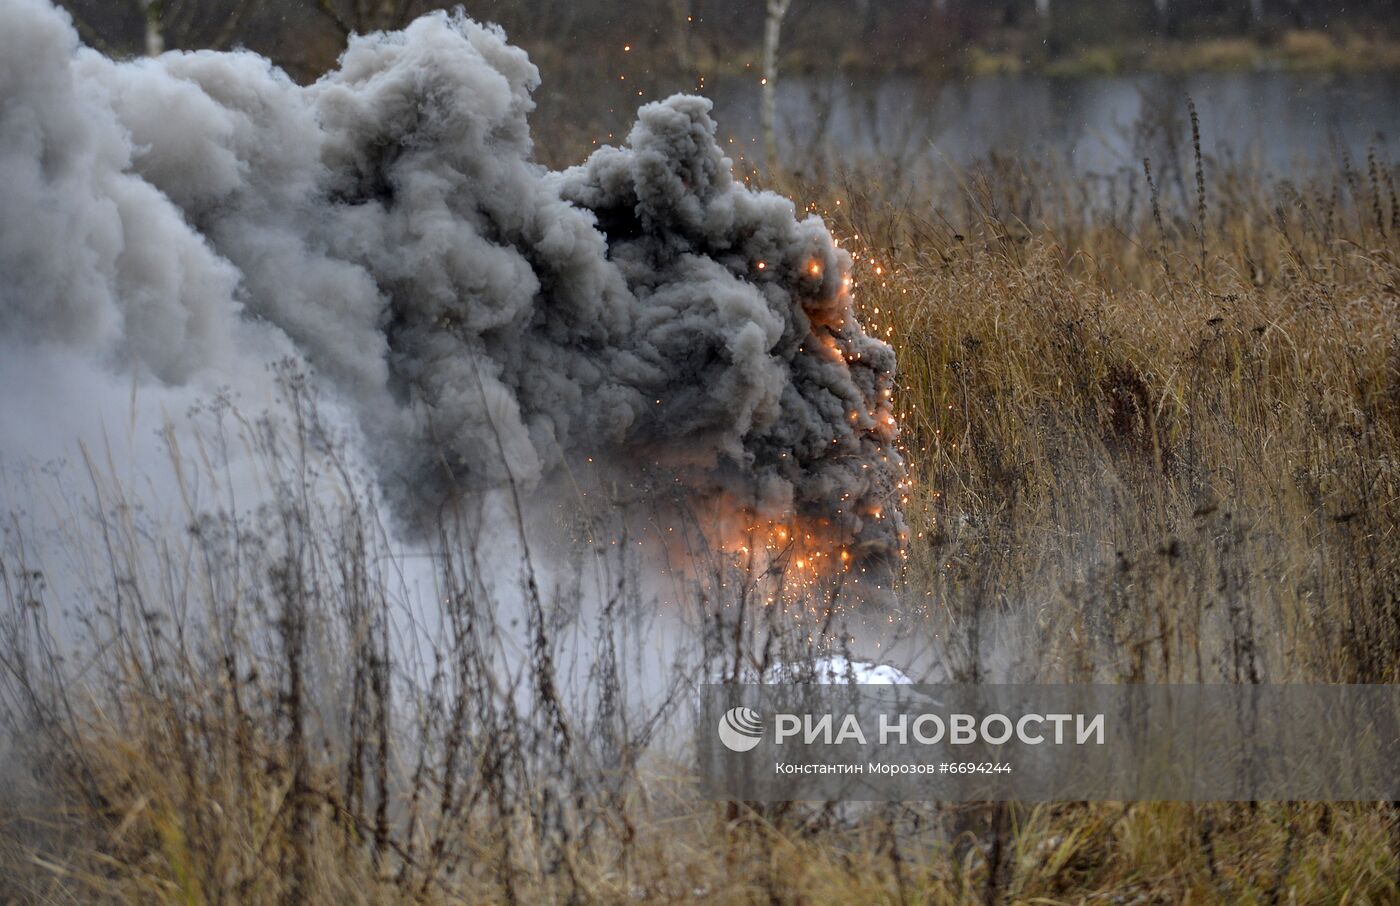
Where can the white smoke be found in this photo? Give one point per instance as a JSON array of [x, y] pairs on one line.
[[185, 220]]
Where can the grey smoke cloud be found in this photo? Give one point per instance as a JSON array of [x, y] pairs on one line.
[[484, 318]]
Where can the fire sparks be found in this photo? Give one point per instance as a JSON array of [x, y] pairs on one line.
[[798, 554], [821, 554], [806, 557]]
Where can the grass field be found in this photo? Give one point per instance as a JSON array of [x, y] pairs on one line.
[[1155, 432]]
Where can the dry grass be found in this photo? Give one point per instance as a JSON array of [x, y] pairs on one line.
[[1159, 432], [1158, 441]]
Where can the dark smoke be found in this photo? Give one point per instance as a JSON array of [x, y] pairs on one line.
[[485, 319]]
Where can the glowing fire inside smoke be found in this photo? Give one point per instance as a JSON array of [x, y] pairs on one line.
[[797, 560]]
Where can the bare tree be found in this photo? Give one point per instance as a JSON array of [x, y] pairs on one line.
[[177, 23], [772, 34], [868, 19], [681, 19], [155, 36], [1165, 14], [362, 16], [1256, 11]]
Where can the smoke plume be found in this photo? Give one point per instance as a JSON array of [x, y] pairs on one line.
[[486, 320]]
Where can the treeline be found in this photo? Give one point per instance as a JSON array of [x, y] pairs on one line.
[[305, 36]]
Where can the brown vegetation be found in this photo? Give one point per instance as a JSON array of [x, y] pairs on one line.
[[1156, 433]]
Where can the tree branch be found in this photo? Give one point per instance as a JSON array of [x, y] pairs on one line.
[[234, 22], [326, 9], [178, 20], [87, 32]]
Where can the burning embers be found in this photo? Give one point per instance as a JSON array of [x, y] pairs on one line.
[[484, 320], [815, 511]]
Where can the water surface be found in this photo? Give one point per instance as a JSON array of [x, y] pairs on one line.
[[1283, 122]]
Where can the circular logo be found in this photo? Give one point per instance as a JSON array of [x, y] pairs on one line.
[[740, 729]]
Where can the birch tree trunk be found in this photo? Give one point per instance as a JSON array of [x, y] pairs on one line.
[[155, 38], [772, 33], [680, 16], [1166, 16]]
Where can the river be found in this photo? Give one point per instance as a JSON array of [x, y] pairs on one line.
[[1284, 122]]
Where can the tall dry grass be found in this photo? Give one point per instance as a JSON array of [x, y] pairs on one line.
[[1156, 434], [1153, 422]]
